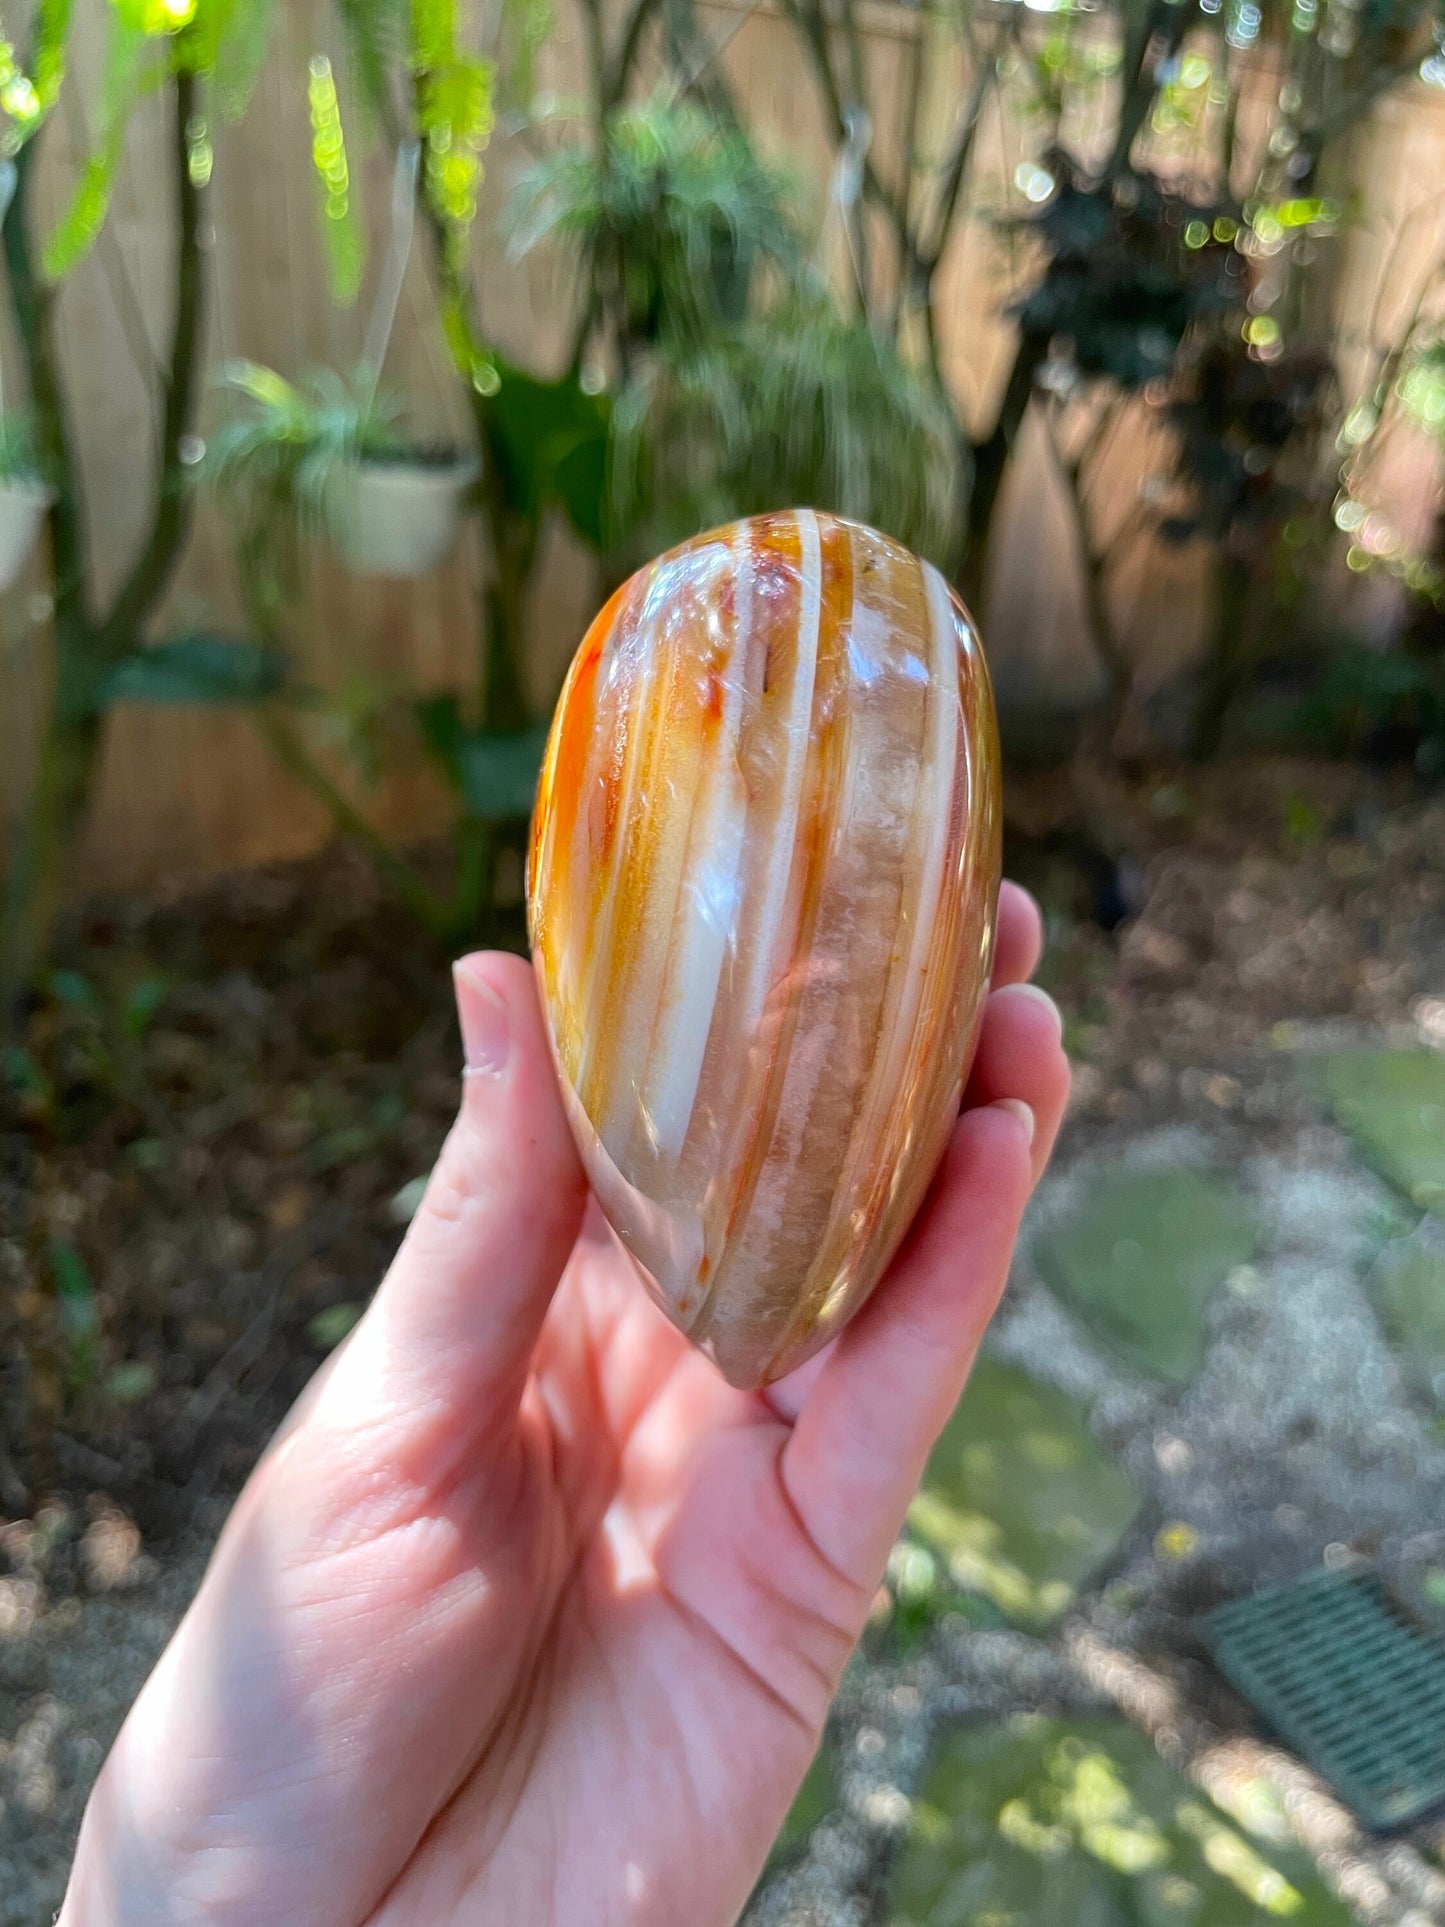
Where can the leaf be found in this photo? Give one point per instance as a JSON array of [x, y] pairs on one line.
[[69, 987], [79, 1312], [143, 1003], [493, 771], [327, 1329], [202, 670], [579, 480], [133, 1379], [1393, 1104], [90, 201], [376, 31], [23, 1074], [440, 720], [1033, 1822], [345, 246], [549, 443], [227, 40], [154, 18], [407, 1202], [499, 773]]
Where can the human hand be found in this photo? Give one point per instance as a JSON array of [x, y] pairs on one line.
[[525, 1615]]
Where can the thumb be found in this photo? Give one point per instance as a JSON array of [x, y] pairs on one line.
[[452, 1329]]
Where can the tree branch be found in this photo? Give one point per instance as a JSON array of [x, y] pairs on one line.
[[956, 166], [292, 753], [158, 555], [34, 303], [615, 76]]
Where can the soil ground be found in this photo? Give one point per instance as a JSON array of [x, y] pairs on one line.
[[230, 1093]]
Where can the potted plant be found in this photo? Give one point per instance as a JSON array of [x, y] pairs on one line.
[[335, 453], [25, 495]]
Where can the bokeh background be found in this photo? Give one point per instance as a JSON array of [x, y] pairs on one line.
[[351, 352]]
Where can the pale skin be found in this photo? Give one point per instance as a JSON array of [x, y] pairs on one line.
[[525, 1615]]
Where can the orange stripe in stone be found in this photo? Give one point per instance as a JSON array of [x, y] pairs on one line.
[[827, 758]]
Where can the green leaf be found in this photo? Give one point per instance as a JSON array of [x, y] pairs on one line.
[[208, 671], [345, 246], [493, 771], [155, 18], [327, 1329], [69, 987], [131, 1380], [22, 1072], [120, 89], [440, 720], [814, 1801], [1407, 1286], [579, 482], [499, 773], [227, 40], [549, 443], [79, 1313], [376, 31], [143, 1003]]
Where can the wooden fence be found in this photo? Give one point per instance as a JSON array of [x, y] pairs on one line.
[[187, 792]]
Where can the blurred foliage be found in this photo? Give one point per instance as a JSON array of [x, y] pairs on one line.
[[20, 459], [1385, 704], [1121, 287], [272, 457], [149, 40], [781, 409], [667, 220]]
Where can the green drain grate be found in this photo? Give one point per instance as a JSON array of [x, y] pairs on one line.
[[1349, 1682]]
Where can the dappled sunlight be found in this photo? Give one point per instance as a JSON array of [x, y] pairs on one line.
[[1041, 1821], [1229, 1855], [1019, 1501]]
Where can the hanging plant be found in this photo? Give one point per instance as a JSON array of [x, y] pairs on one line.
[[335, 454]]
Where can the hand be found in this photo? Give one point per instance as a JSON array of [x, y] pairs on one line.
[[525, 1615]]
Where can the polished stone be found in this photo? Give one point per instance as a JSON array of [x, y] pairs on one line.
[[762, 896]]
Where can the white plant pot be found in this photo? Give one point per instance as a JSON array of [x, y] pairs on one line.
[[22, 504], [397, 518]]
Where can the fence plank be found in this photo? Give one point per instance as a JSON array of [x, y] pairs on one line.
[[194, 792]]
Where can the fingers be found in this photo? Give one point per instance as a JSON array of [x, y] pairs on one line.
[[1020, 1058], [858, 1447], [1020, 940], [452, 1329]]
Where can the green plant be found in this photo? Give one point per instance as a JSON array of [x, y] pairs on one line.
[[1145, 234], [204, 55], [796, 404], [740, 386], [19, 457], [272, 458], [667, 217]]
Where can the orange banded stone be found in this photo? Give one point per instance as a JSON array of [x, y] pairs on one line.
[[761, 893]]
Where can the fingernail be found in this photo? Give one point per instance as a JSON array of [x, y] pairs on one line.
[[485, 1020], [1020, 1110], [1039, 997]]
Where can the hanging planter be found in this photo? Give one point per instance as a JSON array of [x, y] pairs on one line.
[[24, 498], [398, 513], [329, 453]]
